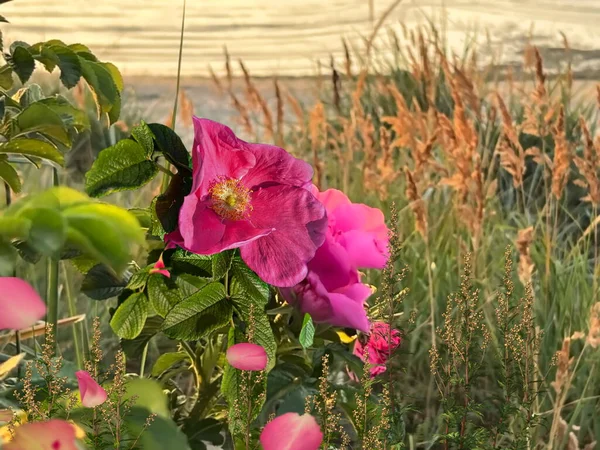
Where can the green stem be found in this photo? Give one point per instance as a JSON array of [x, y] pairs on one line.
[[76, 327], [143, 363], [17, 334], [52, 286]]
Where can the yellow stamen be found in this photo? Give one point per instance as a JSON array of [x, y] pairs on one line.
[[230, 199]]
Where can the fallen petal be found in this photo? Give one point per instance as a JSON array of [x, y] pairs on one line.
[[92, 394], [51, 435], [246, 356], [20, 305], [292, 431]]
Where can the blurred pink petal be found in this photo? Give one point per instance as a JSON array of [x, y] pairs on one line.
[[51, 435], [6, 415], [292, 431], [92, 394], [246, 356], [160, 268], [20, 305]]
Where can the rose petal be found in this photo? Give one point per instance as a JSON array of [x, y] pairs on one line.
[[246, 356], [292, 431], [332, 265], [20, 305], [280, 258], [51, 435], [92, 394], [274, 163], [205, 233], [332, 198], [217, 152], [6, 415]]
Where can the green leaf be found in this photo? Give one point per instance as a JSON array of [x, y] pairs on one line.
[[199, 314], [116, 75], [6, 78], [10, 176], [104, 232], [307, 334], [47, 234], [162, 434], [166, 361], [101, 283], [221, 262], [163, 294], [14, 227], [124, 166], [68, 63], [142, 134], [247, 284], [171, 146], [133, 348], [22, 63], [70, 115], [8, 256], [101, 82], [33, 147], [28, 95], [128, 321], [147, 394], [187, 262], [39, 118], [138, 280]]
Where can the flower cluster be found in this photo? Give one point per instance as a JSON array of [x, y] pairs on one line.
[[381, 343], [357, 238], [260, 199]]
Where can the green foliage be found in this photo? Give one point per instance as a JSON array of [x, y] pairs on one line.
[[64, 218], [307, 334]]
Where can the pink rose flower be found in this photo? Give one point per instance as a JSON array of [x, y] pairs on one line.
[[92, 394], [20, 305], [292, 431], [246, 356], [377, 347], [254, 197], [359, 229], [357, 237], [51, 435]]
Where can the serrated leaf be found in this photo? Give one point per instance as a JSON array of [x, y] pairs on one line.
[[116, 75], [142, 134], [68, 63], [166, 361], [163, 294], [22, 62], [138, 280], [171, 146], [133, 348], [129, 319], [101, 82], [246, 284], [221, 263], [33, 147], [10, 176], [199, 314], [28, 95], [39, 118], [101, 283], [124, 166], [307, 334]]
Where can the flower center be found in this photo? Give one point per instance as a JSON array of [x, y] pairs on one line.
[[230, 199]]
